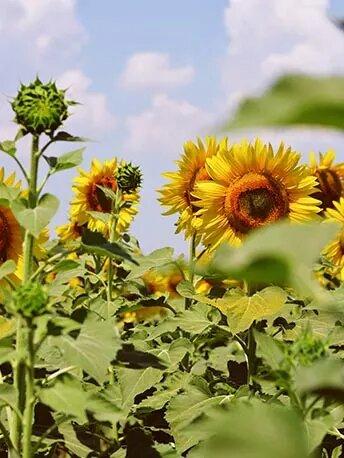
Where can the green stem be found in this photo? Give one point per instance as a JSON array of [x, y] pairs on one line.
[[251, 355], [30, 394], [113, 225], [192, 255], [21, 344]]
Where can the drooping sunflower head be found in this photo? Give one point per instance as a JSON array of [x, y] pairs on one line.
[[177, 194], [330, 177], [91, 199], [334, 251], [40, 107], [253, 186]]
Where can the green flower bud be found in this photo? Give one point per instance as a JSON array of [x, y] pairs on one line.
[[30, 299], [129, 177], [40, 108]]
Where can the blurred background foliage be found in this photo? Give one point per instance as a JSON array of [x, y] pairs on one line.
[[294, 100]]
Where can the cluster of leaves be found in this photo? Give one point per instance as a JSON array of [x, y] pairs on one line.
[[195, 382]]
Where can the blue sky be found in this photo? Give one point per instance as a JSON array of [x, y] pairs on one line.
[[151, 74]]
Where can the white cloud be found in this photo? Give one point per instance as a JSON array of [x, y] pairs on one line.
[[93, 116], [164, 126], [154, 70], [41, 28], [271, 37]]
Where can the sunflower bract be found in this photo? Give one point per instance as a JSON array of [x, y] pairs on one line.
[[40, 107]]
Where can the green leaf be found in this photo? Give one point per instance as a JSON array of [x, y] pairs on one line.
[[250, 429], [35, 219], [94, 242], [283, 247], [157, 258], [133, 382], [7, 268], [184, 409], [269, 349], [67, 396], [101, 216], [72, 442], [241, 310], [93, 349], [8, 193], [7, 395], [8, 147], [66, 137], [295, 100], [69, 160], [324, 378]]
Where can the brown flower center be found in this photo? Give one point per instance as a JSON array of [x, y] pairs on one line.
[[255, 200], [96, 197], [330, 187], [4, 237]]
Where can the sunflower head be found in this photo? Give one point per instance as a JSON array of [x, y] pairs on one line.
[[40, 107], [177, 195], [334, 251], [92, 198], [129, 177], [30, 299], [251, 186], [69, 231], [330, 178]]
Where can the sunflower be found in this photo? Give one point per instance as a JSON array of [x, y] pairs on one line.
[[334, 251], [11, 239], [69, 231], [177, 194], [253, 186], [330, 177], [90, 199]]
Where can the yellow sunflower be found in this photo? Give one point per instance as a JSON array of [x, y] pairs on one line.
[[90, 198], [11, 239], [330, 178], [69, 231], [253, 186], [334, 251], [177, 194]]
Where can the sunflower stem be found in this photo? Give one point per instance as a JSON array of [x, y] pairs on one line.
[[30, 394], [251, 354], [192, 256], [23, 370], [113, 225]]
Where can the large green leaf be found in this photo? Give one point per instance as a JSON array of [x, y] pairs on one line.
[[67, 396], [133, 382], [281, 253], [250, 430], [94, 348], [65, 161], [295, 100], [241, 310], [35, 219], [95, 242], [186, 408]]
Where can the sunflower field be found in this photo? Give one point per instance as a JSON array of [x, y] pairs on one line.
[[233, 351]]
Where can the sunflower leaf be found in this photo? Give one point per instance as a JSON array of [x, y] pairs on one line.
[[7, 268], [241, 310], [35, 219], [95, 242]]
